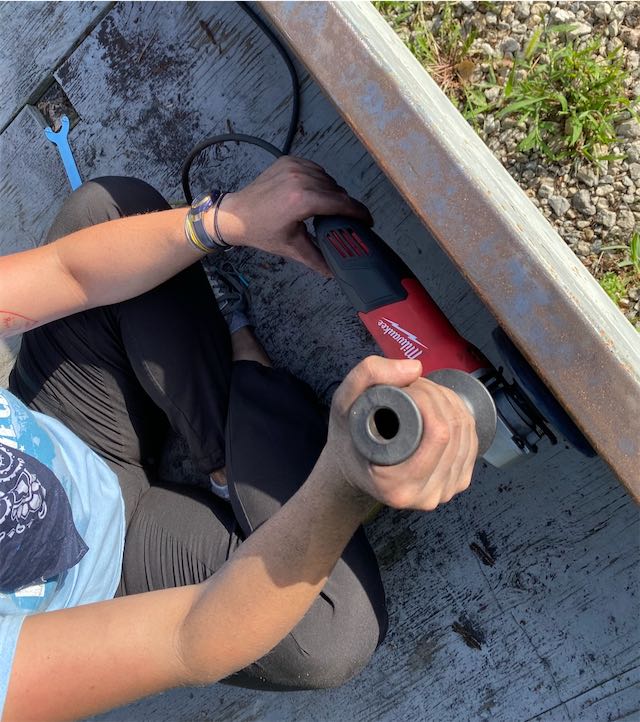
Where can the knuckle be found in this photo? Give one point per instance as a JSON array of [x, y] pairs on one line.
[[296, 197], [430, 503], [440, 433], [400, 497], [340, 400], [367, 368], [465, 481]]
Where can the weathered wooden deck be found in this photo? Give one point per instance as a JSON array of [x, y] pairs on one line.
[[519, 600]]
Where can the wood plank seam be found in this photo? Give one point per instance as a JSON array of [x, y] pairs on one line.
[[42, 86]]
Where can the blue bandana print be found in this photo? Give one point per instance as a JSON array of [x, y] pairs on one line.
[[38, 538]]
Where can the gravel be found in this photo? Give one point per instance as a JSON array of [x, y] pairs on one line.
[[559, 205], [591, 206], [582, 202], [628, 129]]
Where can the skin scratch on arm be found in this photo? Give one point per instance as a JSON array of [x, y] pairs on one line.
[[12, 322]]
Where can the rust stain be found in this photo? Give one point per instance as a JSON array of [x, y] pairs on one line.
[[208, 32]]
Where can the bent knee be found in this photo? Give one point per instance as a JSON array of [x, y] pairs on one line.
[[331, 658]]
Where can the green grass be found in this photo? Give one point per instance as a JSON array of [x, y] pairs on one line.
[[626, 272], [632, 255], [444, 52], [566, 98], [614, 286], [569, 98]]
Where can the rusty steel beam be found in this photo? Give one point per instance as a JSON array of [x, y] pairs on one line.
[[566, 326]]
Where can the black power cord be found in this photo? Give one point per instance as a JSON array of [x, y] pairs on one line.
[[241, 137]]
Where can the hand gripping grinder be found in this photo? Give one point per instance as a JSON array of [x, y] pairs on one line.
[[512, 417]]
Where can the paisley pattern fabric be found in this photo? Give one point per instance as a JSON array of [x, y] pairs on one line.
[[38, 538], [22, 496]]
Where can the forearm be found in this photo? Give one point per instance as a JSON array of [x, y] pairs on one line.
[[96, 266], [244, 610], [120, 259], [103, 264]]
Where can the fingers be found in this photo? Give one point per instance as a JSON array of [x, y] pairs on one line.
[[442, 465], [317, 193], [375, 370], [337, 203], [304, 250], [292, 167]]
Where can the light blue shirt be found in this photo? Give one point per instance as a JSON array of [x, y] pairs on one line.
[[98, 513]]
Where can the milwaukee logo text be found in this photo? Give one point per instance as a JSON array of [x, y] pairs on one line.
[[406, 340]]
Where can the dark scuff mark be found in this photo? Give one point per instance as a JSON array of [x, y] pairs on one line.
[[488, 700], [482, 554], [486, 542], [424, 651], [516, 581], [209, 33], [485, 553], [231, 129], [471, 636], [396, 547]]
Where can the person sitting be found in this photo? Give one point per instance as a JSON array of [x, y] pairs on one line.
[[115, 584]]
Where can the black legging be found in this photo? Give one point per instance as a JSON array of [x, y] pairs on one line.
[[119, 375]]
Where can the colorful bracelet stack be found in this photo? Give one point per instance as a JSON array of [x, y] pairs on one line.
[[194, 225]]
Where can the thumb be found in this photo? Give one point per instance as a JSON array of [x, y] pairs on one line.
[[306, 251], [376, 370]]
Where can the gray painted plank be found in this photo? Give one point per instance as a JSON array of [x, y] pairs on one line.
[[35, 38], [555, 616], [32, 183], [616, 699]]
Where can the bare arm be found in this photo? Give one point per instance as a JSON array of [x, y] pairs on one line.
[[92, 267], [120, 259], [80, 661], [77, 662]]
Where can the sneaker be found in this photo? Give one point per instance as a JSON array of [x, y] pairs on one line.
[[221, 490], [231, 291]]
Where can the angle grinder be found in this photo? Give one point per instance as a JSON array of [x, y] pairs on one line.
[[512, 417]]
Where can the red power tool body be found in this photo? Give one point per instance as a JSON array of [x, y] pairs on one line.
[[407, 323], [401, 316]]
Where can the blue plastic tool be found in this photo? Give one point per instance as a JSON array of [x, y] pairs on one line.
[[61, 140]]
